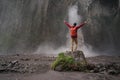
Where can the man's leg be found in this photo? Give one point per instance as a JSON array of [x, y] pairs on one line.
[[72, 44], [76, 43]]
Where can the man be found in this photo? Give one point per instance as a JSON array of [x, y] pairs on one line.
[[73, 32]]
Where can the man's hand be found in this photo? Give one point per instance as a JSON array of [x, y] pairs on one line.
[[85, 22]]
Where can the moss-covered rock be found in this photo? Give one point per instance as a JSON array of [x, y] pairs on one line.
[[67, 62], [63, 61]]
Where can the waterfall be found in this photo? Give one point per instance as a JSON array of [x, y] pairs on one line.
[[36, 26], [73, 14], [74, 17]]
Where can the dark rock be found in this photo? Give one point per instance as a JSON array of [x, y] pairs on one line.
[[12, 63], [113, 72], [102, 69], [68, 61], [25, 59], [116, 66], [103, 72], [4, 64], [78, 56], [90, 66], [9, 70], [99, 65], [91, 71], [59, 68], [96, 70]]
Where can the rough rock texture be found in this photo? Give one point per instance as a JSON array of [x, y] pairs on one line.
[[44, 73], [80, 64], [17, 67], [25, 64], [70, 61], [78, 56]]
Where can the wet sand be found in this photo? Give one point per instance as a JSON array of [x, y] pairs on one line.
[[47, 74], [54, 75]]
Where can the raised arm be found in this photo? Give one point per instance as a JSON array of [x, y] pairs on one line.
[[68, 25], [81, 25]]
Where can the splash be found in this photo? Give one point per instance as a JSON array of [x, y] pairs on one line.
[[74, 17]]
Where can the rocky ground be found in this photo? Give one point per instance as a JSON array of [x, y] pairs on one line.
[[37, 67]]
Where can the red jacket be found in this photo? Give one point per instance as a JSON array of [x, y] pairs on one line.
[[73, 30]]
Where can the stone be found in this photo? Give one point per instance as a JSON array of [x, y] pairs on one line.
[[103, 72], [91, 71], [90, 66], [25, 59], [96, 70], [58, 68], [113, 72], [67, 61], [12, 63], [78, 56], [99, 65]]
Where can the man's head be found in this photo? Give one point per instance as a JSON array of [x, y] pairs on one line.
[[74, 24]]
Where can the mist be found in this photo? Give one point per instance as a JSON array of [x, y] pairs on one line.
[[74, 17], [49, 48], [36, 26]]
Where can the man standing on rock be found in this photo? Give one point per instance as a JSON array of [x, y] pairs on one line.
[[73, 32]]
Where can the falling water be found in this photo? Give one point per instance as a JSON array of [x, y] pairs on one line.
[[74, 17], [30, 26]]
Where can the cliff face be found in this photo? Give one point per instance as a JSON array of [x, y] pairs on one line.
[[103, 33], [26, 24]]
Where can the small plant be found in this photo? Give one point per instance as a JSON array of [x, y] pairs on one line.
[[67, 63], [63, 60]]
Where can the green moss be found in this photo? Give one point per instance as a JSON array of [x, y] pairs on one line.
[[68, 63], [62, 60]]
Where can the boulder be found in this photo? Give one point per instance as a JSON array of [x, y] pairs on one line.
[[77, 55], [113, 72], [67, 61], [58, 68]]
